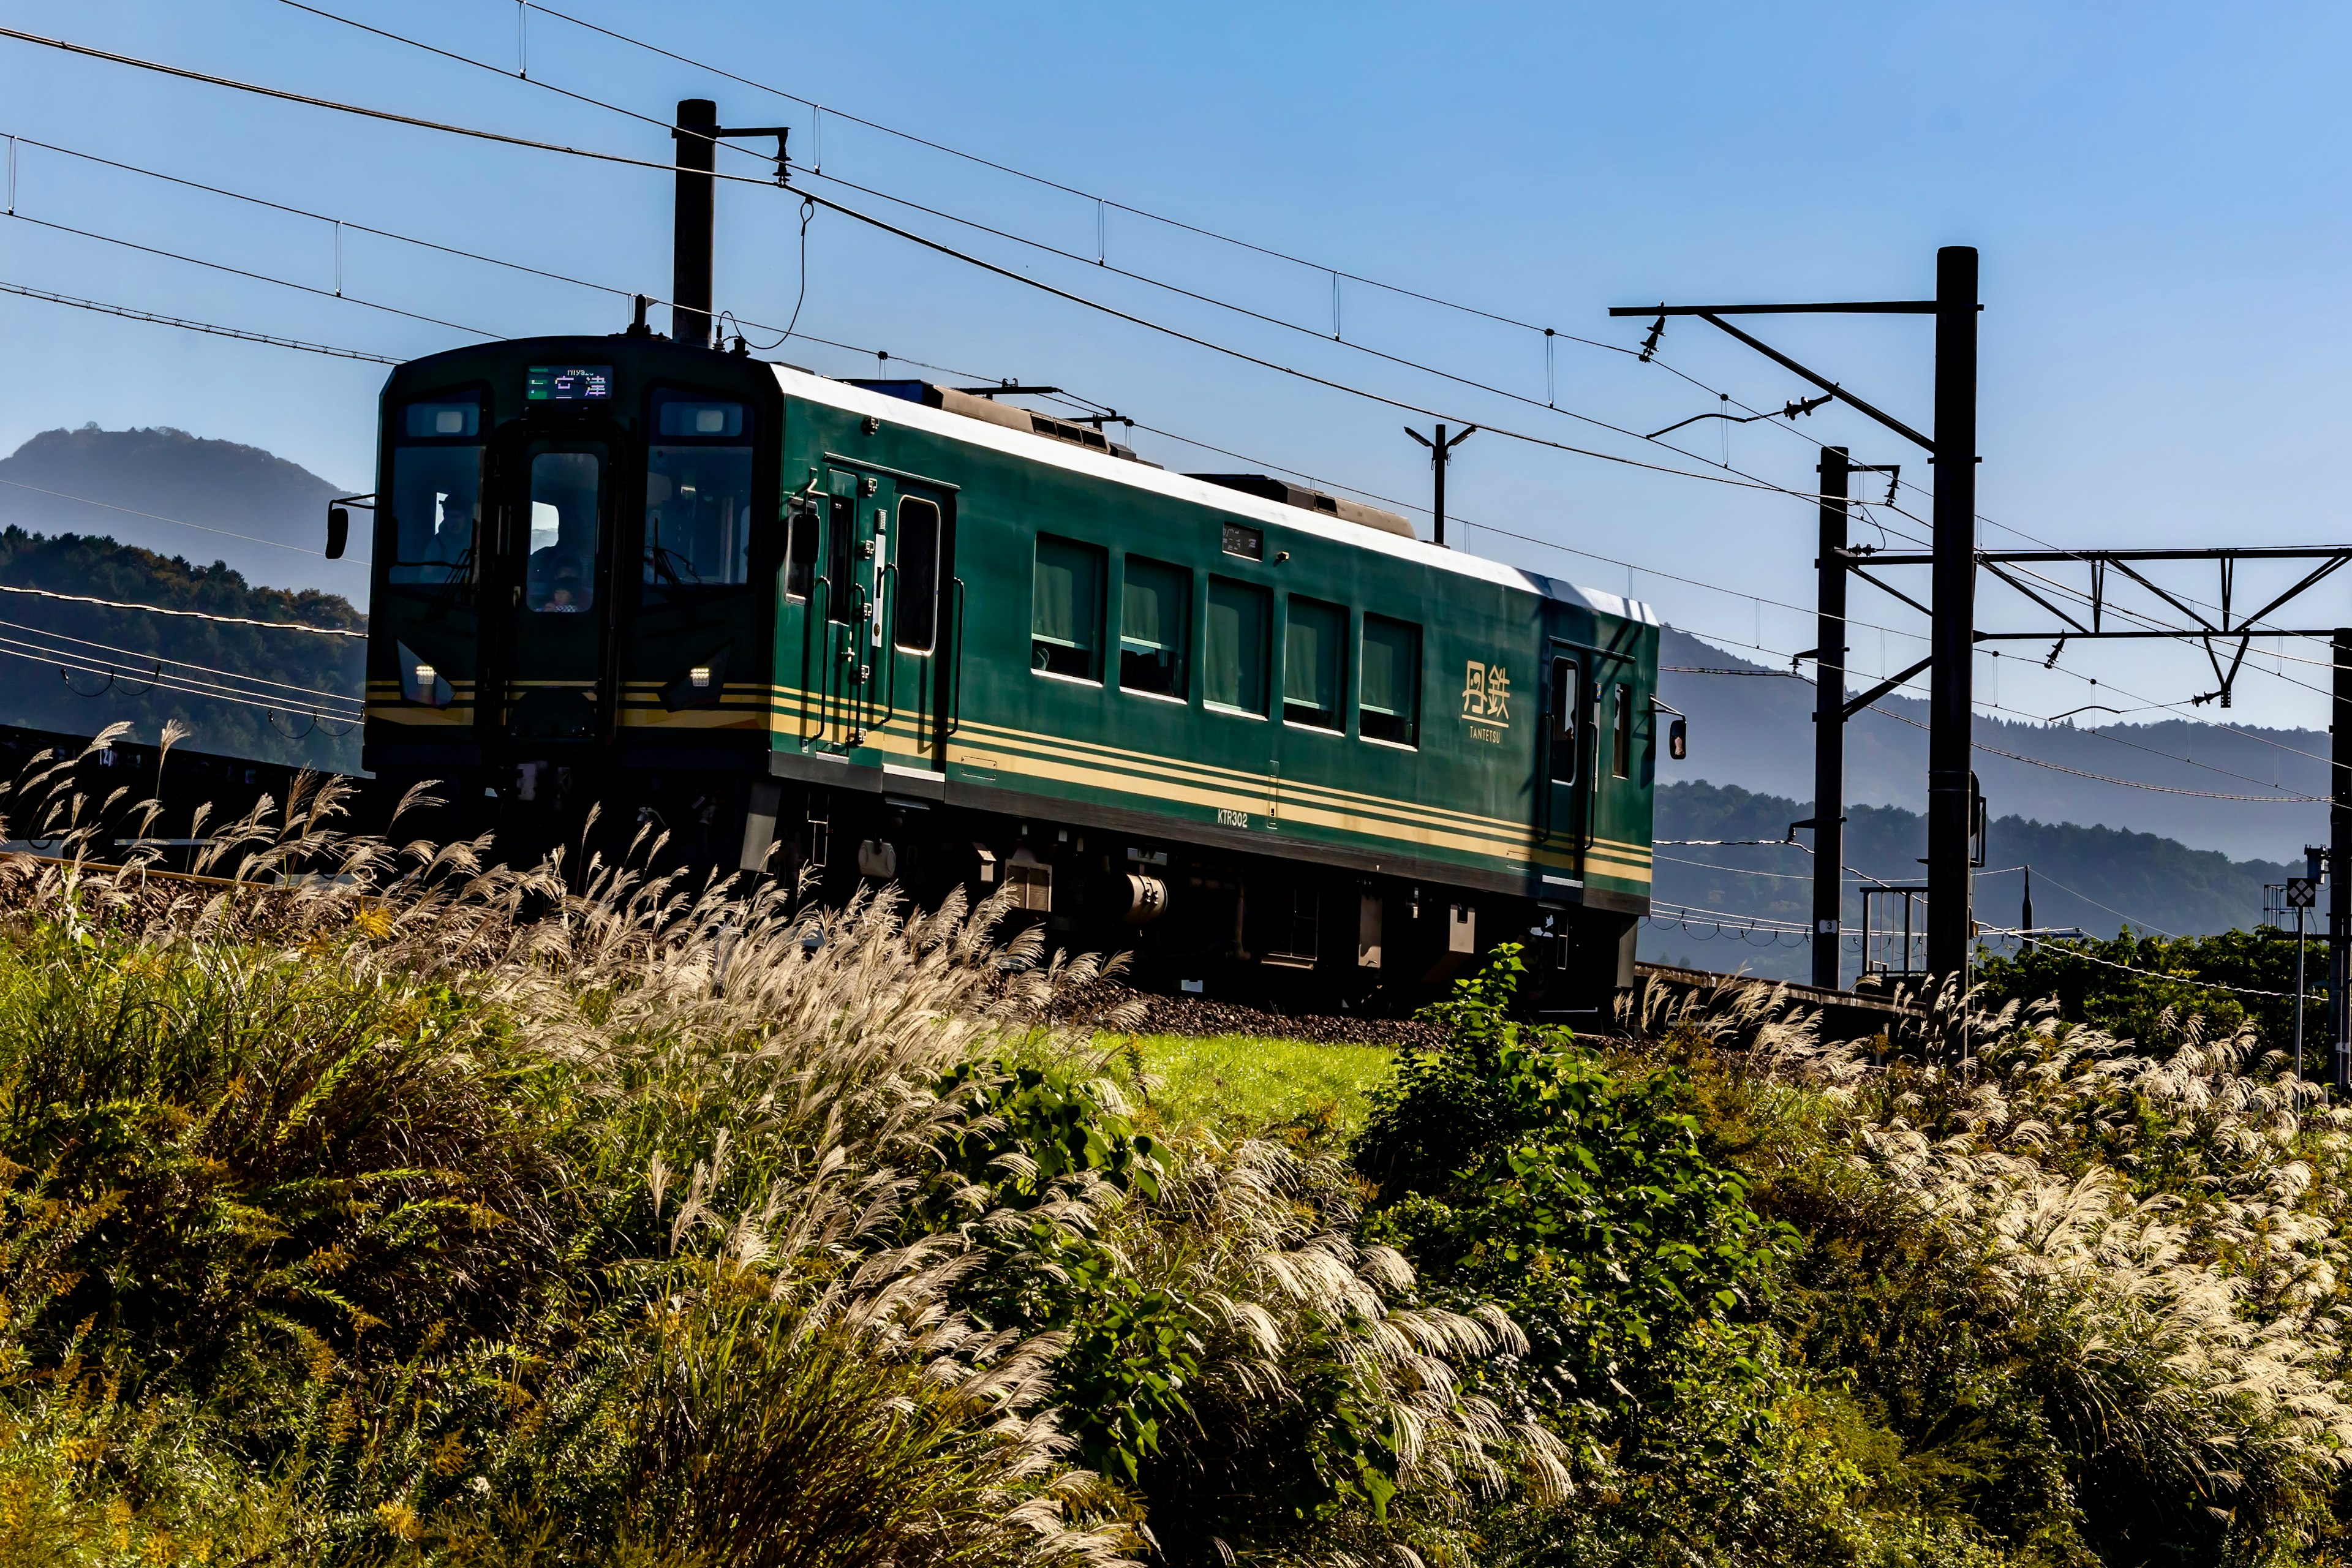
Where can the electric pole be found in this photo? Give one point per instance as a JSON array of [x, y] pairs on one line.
[[691, 219], [1828, 725], [698, 133], [1952, 597], [2339, 866], [1441, 453]]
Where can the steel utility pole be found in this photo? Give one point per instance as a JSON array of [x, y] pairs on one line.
[[697, 134], [1829, 724], [1952, 597], [698, 155], [2339, 865], [1441, 453]]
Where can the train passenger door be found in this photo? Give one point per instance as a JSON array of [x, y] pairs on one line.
[[842, 626], [876, 617], [914, 606], [1567, 792], [549, 588]]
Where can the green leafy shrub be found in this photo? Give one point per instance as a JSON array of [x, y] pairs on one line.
[[1516, 1167]]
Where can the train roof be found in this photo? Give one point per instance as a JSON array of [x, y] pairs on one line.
[[862, 401]]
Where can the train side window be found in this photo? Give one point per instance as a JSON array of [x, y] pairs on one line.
[[1387, 705], [1566, 697], [1620, 732], [800, 552], [919, 573], [1155, 618], [1232, 665], [1065, 609], [1314, 654], [698, 493]]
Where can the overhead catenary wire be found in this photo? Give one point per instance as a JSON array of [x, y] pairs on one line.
[[1572, 551], [177, 685], [180, 522], [1111, 203], [189, 615], [242, 272], [1098, 261], [210, 328], [1748, 481], [154, 658], [185, 73]]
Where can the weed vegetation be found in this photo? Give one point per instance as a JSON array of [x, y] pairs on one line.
[[1247, 1085], [369, 1205]]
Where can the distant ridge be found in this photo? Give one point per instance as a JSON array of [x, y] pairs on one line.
[[250, 509], [1757, 732]]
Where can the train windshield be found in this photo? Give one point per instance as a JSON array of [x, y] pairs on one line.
[[436, 493], [563, 495], [698, 494]]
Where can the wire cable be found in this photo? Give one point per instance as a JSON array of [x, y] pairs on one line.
[[328, 218], [1108, 202], [178, 686], [210, 328], [241, 272], [154, 657], [180, 522], [191, 615]]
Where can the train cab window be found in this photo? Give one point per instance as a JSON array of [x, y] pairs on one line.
[[561, 576], [698, 493], [1314, 652], [1065, 610], [918, 575], [1620, 731], [1566, 699], [436, 492], [1233, 651], [1387, 704], [1155, 620]]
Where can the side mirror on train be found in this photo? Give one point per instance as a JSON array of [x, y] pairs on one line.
[[1678, 739], [339, 522]]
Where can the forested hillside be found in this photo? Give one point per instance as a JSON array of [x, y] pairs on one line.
[[76, 667], [2098, 878]]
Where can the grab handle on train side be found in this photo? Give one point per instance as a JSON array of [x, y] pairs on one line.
[[955, 675]]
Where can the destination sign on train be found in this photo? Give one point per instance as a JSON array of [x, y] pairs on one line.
[[569, 383]]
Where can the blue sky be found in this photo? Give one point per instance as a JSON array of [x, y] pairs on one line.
[[2157, 193]]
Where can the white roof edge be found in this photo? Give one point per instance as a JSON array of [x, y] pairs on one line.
[[1142, 476]]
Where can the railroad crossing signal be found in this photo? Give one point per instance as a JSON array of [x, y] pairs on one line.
[[2302, 893]]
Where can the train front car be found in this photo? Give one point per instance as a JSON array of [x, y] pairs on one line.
[[571, 601], [893, 634]]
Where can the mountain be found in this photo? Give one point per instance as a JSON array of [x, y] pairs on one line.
[[2097, 878], [1755, 730], [181, 495]]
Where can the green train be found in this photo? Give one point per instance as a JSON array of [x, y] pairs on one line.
[[886, 632]]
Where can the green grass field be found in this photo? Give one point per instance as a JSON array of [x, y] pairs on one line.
[[1242, 1084]]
